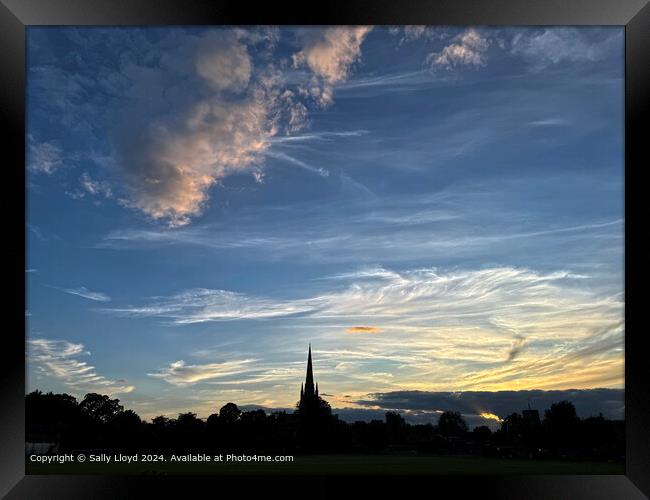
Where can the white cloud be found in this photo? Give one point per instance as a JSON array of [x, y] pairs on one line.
[[541, 48], [415, 32], [469, 49], [59, 359], [489, 329], [95, 187], [226, 374], [411, 33], [549, 122], [514, 302], [92, 187], [295, 161], [392, 233], [44, 157], [82, 291], [181, 374], [200, 305], [329, 53]]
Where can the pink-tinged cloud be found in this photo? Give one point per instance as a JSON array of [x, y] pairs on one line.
[[363, 329], [330, 54], [469, 49]]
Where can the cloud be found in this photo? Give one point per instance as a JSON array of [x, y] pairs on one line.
[[59, 359], [516, 348], [411, 33], [477, 408], [200, 305], [329, 53], [180, 374], [172, 173], [521, 299], [588, 402], [44, 157], [82, 291], [36, 231], [450, 329], [548, 122], [182, 110], [363, 329], [469, 49], [317, 136], [415, 32], [95, 187], [295, 161], [213, 119], [224, 61], [549, 46], [92, 187]]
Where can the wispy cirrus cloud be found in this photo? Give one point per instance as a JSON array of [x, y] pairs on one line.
[[44, 157], [484, 329], [84, 292], [369, 236], [416, 295], [542, 48], [549, 122], [181, 374], [317, 136], [60, 359]]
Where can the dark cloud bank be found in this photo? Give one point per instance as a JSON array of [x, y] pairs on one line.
[[423, 407]]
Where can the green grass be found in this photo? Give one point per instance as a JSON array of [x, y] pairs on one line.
[[340, 464]]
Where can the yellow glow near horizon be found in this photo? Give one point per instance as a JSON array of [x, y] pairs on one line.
[[491, 416]]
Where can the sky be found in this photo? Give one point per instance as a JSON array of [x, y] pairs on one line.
[[438, 210]]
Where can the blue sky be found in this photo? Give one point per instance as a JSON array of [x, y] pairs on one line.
[[434, 208]]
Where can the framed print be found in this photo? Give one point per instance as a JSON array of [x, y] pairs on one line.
[[379, 243]]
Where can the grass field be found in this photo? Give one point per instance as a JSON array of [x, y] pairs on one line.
[[339, 464]]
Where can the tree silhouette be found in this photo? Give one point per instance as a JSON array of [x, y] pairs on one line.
[[100, 408], [561, 425], [395, 427], [481, 433], [229, 413], [451, 423], [100, 423], [160, 422], [561, 415]]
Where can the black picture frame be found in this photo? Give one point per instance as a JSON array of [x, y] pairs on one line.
[[16, 15]]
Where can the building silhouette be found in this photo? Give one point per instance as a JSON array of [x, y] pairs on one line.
[[311, 405], [307, 390]]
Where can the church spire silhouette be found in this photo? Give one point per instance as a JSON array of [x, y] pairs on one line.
[[309, 382], [311, 405]]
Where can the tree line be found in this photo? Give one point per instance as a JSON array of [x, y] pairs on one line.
[[101, 423]]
